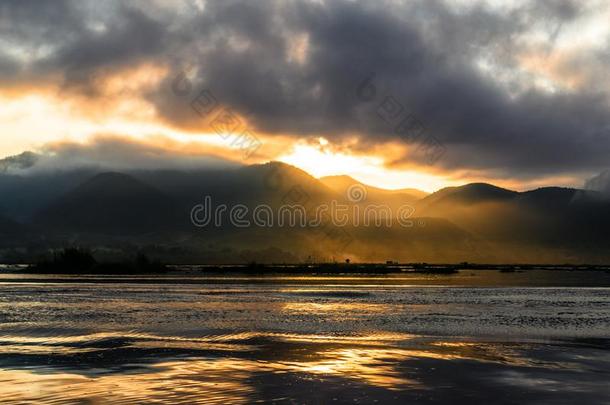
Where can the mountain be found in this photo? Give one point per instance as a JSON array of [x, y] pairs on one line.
[[9, 228], [277, 184], [151, 210], [374, 195], [145, 207], [12, 234], [109, 203], [470, 194], [547, 224], [569, 215], [416, 193], [25, 195], [271, 183]]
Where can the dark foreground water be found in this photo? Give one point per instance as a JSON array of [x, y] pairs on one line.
[[309, 340]]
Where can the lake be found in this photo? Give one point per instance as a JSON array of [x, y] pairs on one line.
[[518, 338]]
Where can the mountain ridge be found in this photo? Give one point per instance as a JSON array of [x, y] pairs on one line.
[[109, 202], [474, 222], [341, 183]]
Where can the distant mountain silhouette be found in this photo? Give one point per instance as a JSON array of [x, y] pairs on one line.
[[142, 203], [341, 185], [419, 194], [474, 193], [25, 195], [109, 203], [12, 233], [545, 224], [9, 228], [150, 209]]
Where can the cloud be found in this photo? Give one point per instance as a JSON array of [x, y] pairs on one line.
[[23, 161], [599, 183], [294, 68], [108, 153]]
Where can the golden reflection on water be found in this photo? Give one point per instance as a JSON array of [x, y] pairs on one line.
[[196, 382], [93, 337], [342, 309], [42, 349], [376, 338], [201, 381], [494, 353], [378, 360], [374, 366]]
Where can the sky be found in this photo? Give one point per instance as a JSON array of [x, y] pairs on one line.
[[422, 94]]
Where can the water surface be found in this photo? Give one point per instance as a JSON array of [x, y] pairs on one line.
[[295, 340]]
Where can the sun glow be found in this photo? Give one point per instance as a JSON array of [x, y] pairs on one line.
[[371, 170], [35, 121], [40, 119]]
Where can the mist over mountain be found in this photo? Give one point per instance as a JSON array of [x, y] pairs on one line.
[[373, 195], [537, 225], [600, 183], [22, 161], [115, 212]]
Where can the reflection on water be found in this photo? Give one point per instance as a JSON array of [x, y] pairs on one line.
[[239, 343], [371, 365], [206, 382]]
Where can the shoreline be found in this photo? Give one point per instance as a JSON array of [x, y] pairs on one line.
[[462, 278], [329, 268]]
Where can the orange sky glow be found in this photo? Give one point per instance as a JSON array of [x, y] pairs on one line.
[[35, 116]]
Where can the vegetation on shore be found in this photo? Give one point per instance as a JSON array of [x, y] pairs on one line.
[[329, 268], [76, 260]]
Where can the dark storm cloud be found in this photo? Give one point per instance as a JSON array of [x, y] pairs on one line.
[[38, 23], [29, 27], [424, 54], [130, 36]]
